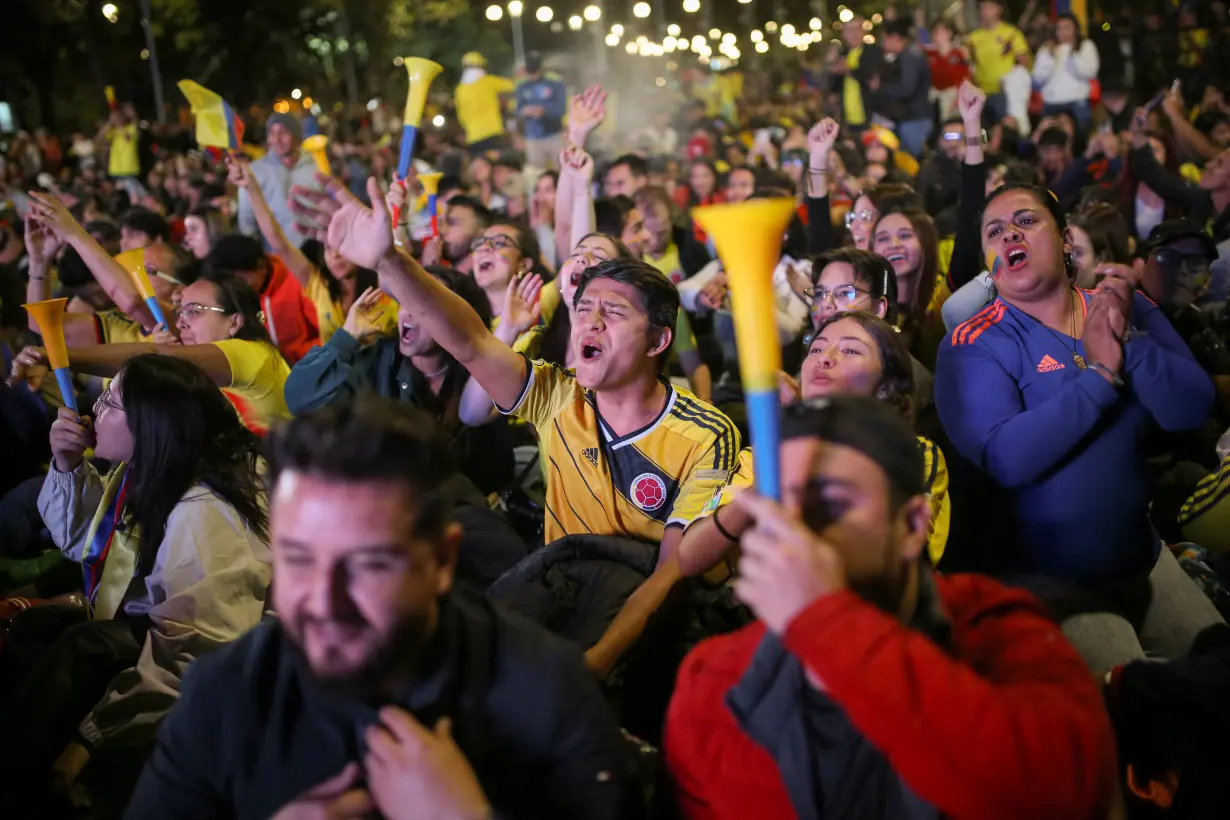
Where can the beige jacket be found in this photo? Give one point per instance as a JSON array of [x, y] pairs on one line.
[[207, 587]]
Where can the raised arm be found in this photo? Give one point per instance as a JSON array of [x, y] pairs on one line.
[[578, 166], [1146, 169], [118, 285], [967, 244], [820, 141], [239, 173], [42, 243], [108, 360], [363, 236]]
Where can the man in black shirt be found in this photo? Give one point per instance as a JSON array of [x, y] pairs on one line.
[[382, 686]]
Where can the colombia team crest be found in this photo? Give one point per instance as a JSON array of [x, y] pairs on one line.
[[648, 492]]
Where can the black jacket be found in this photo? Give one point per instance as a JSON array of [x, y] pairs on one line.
[[252, 730]]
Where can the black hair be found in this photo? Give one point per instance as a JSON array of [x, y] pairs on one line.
[[371, 438], [443, 405], [147, 222], [870, 269], [1041, 194], [636, 164], [237, 297], [1023, 174], [557, 334], [888, 196], [955, 119], [1054, 136], [449, 182], [900, 27], [184, 433], [235, 253], [1107, 229], [481, 212], [896, 386], [364, 278], [216, 224], [72, 270], [1071, 18], [611, 212], [660, 294], [928, 239], [103, 230]]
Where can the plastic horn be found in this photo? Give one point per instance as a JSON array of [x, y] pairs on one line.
[[49, 316], [431, 187], [748, 237], [316, 145], [421, 72], [134, 262], [109, 93]]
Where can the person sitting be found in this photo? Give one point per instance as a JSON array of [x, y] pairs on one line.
[[219, 331], [396, 687], [852, 353], [870, 687], [289, 314], [1040, 392], [412, 368], [173, 548], [648, 454]]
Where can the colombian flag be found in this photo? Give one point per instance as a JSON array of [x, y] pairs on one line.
[[217, 125], [1077, 8]]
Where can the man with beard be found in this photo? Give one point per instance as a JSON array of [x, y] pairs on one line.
[[870, 687], [381, 686], [463, 220]]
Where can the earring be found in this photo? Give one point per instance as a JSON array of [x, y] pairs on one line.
[[882, 392]]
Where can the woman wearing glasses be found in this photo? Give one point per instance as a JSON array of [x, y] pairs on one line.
[[501, 253], [220, 331], [173, 547], [852, 353]]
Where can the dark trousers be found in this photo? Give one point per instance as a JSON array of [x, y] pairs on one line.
[[56, 666]]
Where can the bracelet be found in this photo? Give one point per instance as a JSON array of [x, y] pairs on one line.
[[718, 524], [973, 142], [1114, 377], [817, 170]]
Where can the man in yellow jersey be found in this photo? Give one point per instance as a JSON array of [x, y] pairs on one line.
[[628, 453], [859, 61], [478, 104], [995, 47]]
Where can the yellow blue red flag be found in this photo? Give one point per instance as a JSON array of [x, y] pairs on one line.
[[217, 125]]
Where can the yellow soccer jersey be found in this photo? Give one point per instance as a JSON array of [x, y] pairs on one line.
[[935, 480], [115, 328], [635, 485]]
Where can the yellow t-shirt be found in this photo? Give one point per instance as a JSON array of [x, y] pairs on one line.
[[988, 47], [478, 107], [635, 485], [330, 314], [123, 160], [258, 381], [117, 328], [851, 92], [935, 480]]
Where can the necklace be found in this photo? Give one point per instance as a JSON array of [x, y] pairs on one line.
[[1077, 359], [433, 375]]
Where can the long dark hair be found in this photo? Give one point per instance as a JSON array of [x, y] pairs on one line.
[[924, 227], [557, 334], [1047, 200], [896, 386], [364, 278], [184, 432], [870, 269], [444, 403]]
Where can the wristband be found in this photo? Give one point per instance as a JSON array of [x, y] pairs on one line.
[[817, 170], [1114, 377], [718, 524]]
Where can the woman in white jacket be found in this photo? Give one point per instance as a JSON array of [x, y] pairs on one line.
[[1063, 69], [173, 547]]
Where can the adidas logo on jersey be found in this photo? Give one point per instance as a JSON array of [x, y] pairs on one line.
[[591, 455], [1048, 364]]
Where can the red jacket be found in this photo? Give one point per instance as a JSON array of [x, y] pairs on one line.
[[290, 317], [948, 70], [1013, 729]]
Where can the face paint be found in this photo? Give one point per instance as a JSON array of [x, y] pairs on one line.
[[995, 265]]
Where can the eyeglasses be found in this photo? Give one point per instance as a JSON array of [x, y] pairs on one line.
[[859, 216], [499, 242], [194, 309], [953, 136], [104, 400], [842, 295]]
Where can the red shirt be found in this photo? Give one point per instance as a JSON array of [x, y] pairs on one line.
[[1006, 724], [948, 70], [290, 317]]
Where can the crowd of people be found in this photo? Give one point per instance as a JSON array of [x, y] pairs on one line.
[[454, 516]]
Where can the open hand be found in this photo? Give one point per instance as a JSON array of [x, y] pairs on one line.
[[784, 567], [586, 113], [362, 235], [362, 320], [522, 308], [49, 211], [420, 774]]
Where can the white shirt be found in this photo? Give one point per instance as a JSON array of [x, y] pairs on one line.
[[1063, 75], [1148, 217]]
